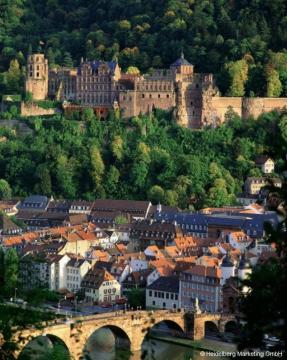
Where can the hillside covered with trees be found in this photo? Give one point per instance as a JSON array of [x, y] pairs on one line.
[[152, 158], [243, 42]]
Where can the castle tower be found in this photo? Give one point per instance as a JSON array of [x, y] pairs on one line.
[[37, 76]]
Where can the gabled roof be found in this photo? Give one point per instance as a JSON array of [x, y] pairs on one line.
[[38, 202], [95, 277], [7, 225], [167, 284], [260, 160], [95, 64]]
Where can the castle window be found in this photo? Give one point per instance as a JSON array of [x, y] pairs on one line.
[[31, 74], [191, 103], [38, 67], [167, 95], [37, 59], [38, 74], [158, 96], [143, 96]]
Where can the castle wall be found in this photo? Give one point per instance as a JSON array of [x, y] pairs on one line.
[[32, 109], [221, 105], [257, 106]]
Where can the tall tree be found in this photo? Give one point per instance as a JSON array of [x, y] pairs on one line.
[[5, 190], [11, 271]]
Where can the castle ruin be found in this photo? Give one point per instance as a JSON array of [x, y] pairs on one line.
[[102, 85]]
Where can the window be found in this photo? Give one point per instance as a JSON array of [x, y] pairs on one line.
[[164, 304], [167, 295], [171, 296], [159, 96], [167, 95], [150, 293], [143, 96], [176, 297], [155, 294], [153, 303]]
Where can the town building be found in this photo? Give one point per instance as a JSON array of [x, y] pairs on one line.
[[265, 163], [163, 293], [253, 185], [202, 283], [76, 269], [193, 97], [100, 286]]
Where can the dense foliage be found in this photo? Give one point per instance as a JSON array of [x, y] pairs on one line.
[[151, 157], [241, 41]]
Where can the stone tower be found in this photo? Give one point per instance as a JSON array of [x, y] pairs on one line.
[[37, 76]]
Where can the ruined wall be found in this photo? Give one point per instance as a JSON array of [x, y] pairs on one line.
[[32, 109], [256, 106], [221, 105]]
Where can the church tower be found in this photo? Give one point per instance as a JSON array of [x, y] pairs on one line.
[[37, 76]]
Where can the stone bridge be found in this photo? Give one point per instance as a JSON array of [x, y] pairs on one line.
[[132, 326]]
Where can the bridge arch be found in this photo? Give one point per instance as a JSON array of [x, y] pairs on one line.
[[107, 337], [210, 328], [162, 327], [45, 344], [231, 326]]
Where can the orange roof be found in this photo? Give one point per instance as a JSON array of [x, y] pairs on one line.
[[240, 236], [186, 259], [172, 251], [162, 262], [100, 255], [214, 250], [184, 242], [207, 261], [164, 270], [205, 271]]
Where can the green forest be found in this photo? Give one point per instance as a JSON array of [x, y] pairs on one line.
[[242, 42], [150, 157]]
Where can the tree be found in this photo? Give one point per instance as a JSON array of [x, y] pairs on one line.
[[136, 298], [2, 269], [11, 271], [156, 194], [44, 184], [67, 60], [238, 72], [97, 166], [133, 70], [274, 86], [121, 219], [5, 190], [117, 147], [111, 182], [14, 77], [64, 176]]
